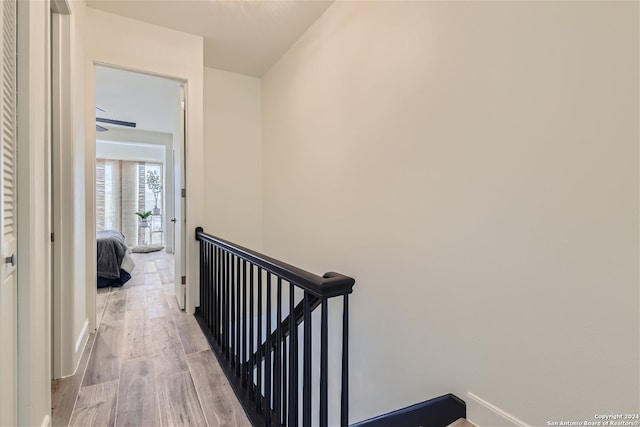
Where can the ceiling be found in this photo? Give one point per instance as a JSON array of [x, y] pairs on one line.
[[241, 36], [149, 101]]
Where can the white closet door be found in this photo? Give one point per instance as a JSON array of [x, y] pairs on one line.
[[8, 238]]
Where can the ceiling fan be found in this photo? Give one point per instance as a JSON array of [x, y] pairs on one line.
[[110, 121]]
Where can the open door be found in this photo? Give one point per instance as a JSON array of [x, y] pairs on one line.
[[179, 221], [8, 219]]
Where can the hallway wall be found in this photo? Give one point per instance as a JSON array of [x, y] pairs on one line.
[[474, 165], [70, 320], [233, 155]]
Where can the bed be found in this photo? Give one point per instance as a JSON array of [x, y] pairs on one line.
[[114, 263]]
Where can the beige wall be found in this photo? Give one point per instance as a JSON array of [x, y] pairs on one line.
[[475, 167], [232, 152]]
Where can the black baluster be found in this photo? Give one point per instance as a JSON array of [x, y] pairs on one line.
[[245, 318], [306, 379], [218, 306], [233, 312], [344, 401], [207, 277], [212, 314], [324, 364], [228, 318], [259, 344], [293, 360], [201, 267], [213, 278], [251, 338], [202, 281], [238, 318], [211, 254], [207, 282], [204, 277], [285, 396], [230, 308], [277, 396], [223, 301], [267, 357]]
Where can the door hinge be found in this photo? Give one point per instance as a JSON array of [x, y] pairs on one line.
[[52, 240], [183, 192], [184, 280]]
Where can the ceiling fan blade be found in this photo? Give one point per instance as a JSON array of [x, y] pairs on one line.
[[101, 128], [116, 122]]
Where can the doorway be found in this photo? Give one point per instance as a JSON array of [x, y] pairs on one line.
[[139, 163], [74, 296]]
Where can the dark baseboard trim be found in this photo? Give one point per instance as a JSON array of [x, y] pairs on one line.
[[438, 412]]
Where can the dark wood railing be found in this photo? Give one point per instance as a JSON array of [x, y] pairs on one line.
[[260, 342]]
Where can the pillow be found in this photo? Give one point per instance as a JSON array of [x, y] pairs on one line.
[[146, 248]]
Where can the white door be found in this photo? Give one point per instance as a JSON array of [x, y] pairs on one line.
[[179, 241], [8, 228]]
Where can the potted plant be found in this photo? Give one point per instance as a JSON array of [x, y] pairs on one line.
[[144, 218], [153, 183]]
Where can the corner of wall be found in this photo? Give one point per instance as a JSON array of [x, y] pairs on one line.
[[46, 421], [484, 414], [81, 343]]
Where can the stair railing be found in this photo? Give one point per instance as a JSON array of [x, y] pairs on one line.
[[257, 339]]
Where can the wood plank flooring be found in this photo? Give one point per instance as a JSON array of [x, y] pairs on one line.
[[461, 423], [148, 364]]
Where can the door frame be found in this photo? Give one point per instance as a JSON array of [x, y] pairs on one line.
[[180, 203], [63, 359], [91, 178]]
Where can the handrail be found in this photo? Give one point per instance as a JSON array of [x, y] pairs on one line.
[[329, 285], [256, 313]]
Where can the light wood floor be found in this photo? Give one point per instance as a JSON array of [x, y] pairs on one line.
[[461, 423], [148, 364]]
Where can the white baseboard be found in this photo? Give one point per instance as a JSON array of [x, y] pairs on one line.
[[46, 422], [81, 338], [482, 413]]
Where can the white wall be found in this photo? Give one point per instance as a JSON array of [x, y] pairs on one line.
[[70, 321], [233, 157], [128, 44], [474, 165], [33, 287], [82, 225]]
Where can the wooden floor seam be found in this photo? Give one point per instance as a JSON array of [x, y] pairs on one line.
[[148, 363]]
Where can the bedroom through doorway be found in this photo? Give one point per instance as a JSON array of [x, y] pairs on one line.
[[139, 170]]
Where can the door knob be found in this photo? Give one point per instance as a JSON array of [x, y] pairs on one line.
[[173, 220]]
